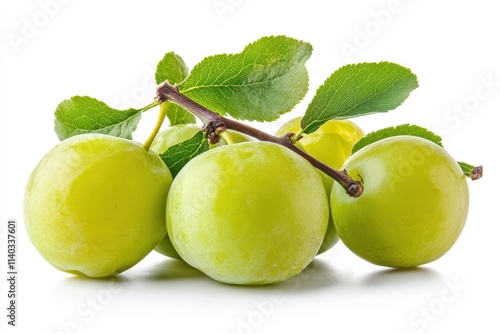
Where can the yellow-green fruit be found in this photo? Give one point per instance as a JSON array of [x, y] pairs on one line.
[[95, 204], [174, 135], [248, 213], [331, 144], [413, 207]]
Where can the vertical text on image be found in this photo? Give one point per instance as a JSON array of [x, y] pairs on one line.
[[12, 288]]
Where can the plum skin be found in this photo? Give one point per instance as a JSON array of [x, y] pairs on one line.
[[414, 205], [95, 204], [249, 213]]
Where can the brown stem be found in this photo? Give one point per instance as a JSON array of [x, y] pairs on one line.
[[476, 173], [215, 123]]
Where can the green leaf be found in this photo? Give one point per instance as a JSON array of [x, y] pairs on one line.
[[173, 69], [267, 79], [83, 114], [359, 89], [176, 156], [400, 130]]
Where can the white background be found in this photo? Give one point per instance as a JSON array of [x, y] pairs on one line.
[[109, 49]]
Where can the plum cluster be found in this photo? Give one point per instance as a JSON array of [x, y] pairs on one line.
[[245, 211]]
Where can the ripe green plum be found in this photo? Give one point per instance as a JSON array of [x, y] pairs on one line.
[[95, 204], [249, 213], [414, 205], [331, 144], [174, 135]]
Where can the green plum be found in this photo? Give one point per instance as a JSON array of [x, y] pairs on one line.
[[331, 144], [95, 204], [174, 135], [249, 213], [414, 205], [166, 248]]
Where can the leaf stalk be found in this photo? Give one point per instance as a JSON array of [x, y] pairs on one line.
[[161, 117]]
